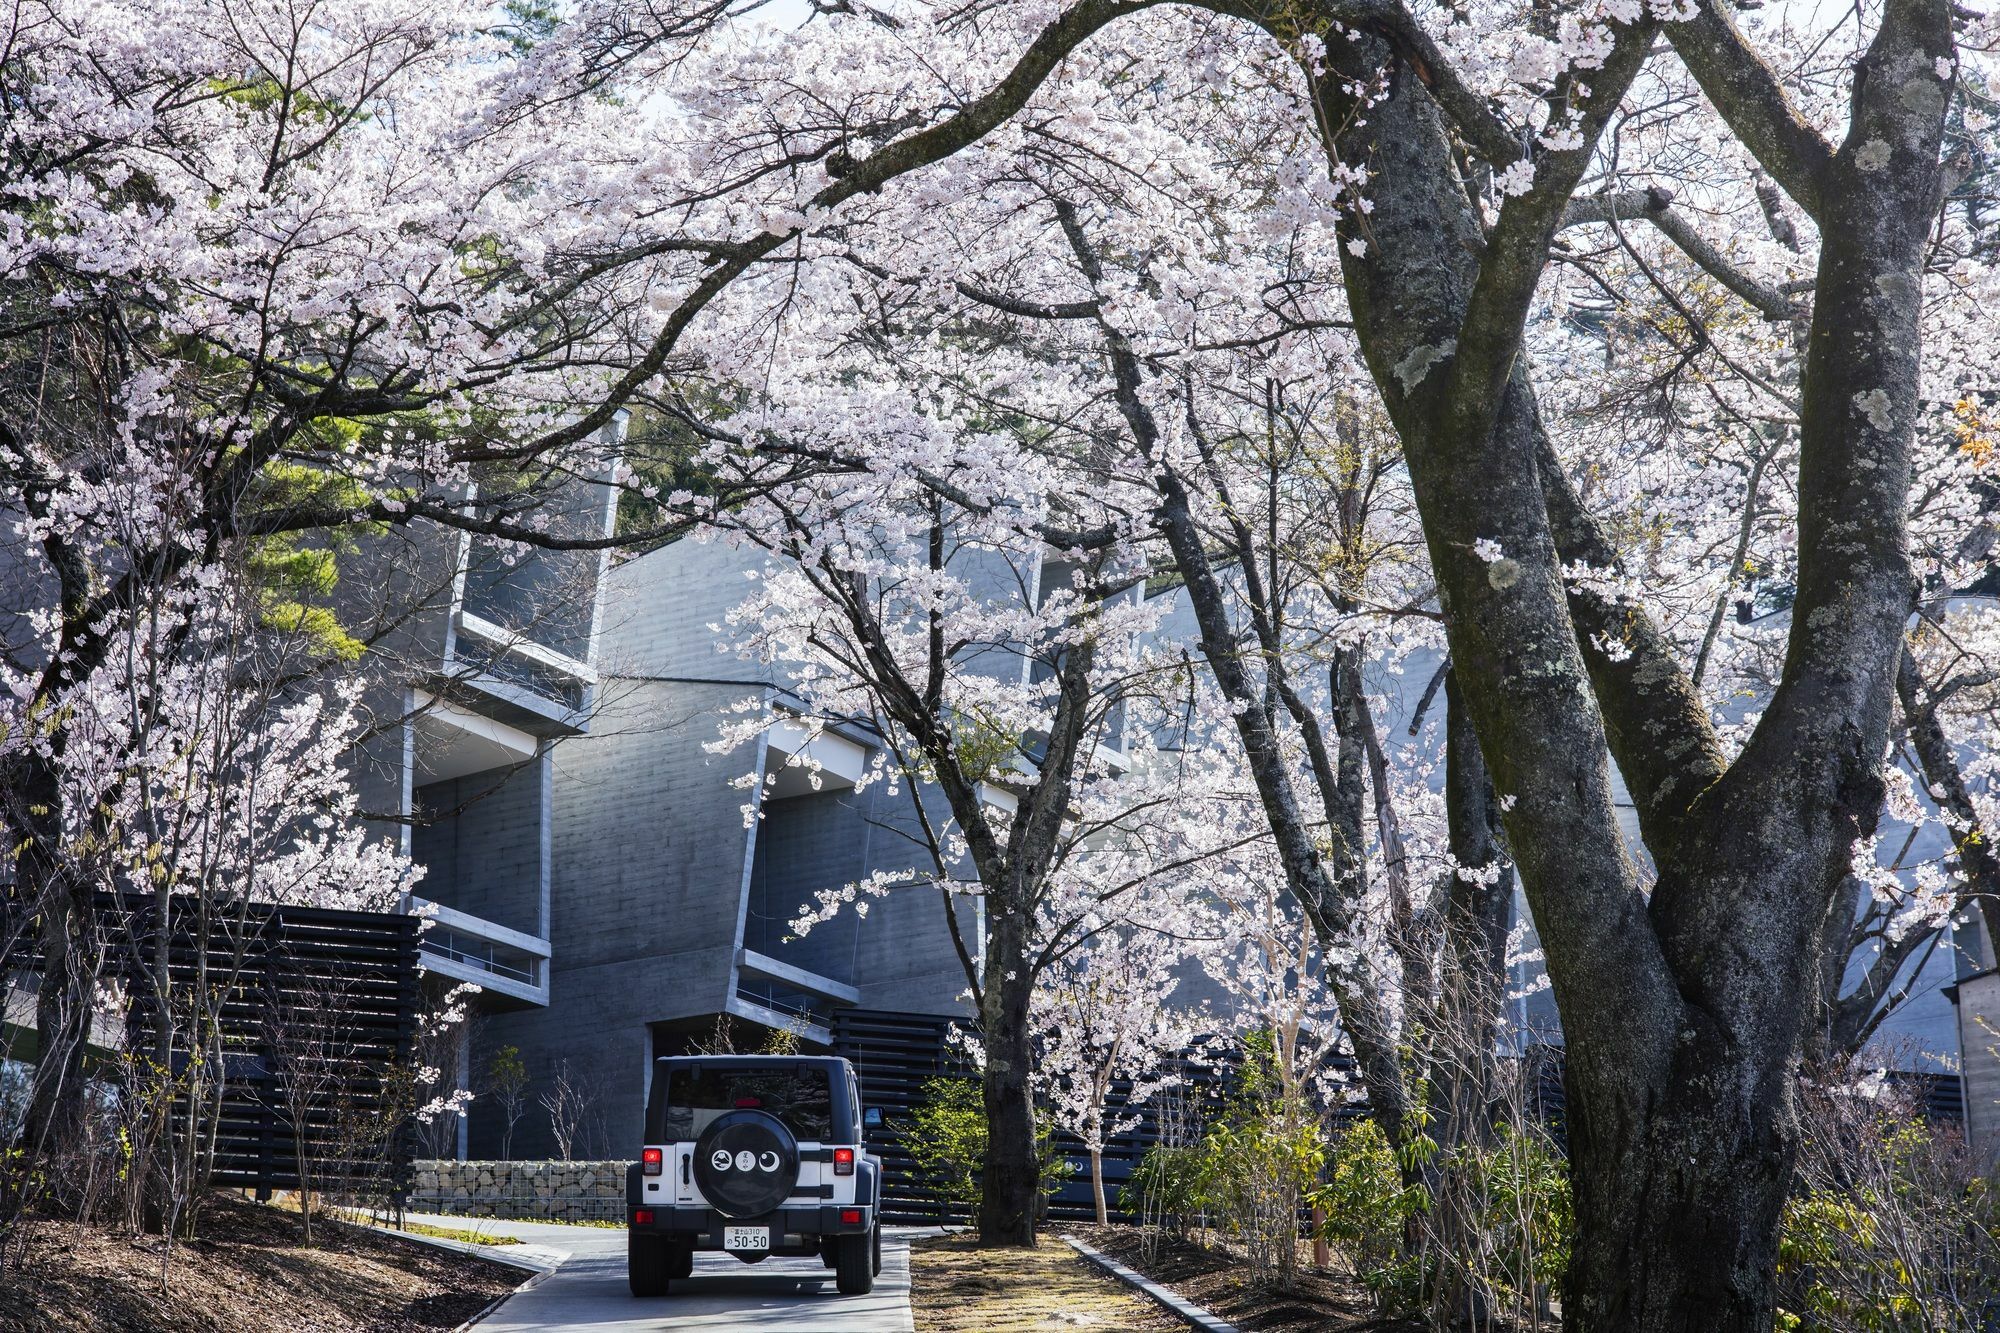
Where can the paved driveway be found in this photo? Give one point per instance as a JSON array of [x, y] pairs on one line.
[[587, 1293]]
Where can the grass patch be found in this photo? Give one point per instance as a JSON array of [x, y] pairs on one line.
[[459, 1234], [361, 1217], [957, 1287]]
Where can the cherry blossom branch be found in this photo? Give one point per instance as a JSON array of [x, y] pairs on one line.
[[1747, 92], [1655, 205]]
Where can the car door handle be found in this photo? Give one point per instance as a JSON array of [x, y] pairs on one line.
[[685, 1178]]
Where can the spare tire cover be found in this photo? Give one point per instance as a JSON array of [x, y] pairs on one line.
[[747, 1163]]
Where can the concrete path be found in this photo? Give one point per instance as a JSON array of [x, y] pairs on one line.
[[586, 1293]]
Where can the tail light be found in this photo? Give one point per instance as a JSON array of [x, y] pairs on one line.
[[850, 1217], [642, 1217], [843, 1161], [652, 1161]]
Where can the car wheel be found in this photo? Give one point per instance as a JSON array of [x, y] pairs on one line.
[[680, 1261], [877, 1233], [646, 1264], [854, 1266]]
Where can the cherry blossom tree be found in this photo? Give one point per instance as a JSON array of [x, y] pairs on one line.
[[1684, 991], [1016, 696], [1106, 1021], [266, 273], [755, 239]]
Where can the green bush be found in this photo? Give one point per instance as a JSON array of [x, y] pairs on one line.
[[1257, 1171], [1527, 1217], [1248, 1175], [1168, 1188], [947, 1137], [1892, 1229], [1367, 1206]]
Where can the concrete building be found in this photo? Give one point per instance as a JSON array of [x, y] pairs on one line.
[[480, 661], [667, 906]]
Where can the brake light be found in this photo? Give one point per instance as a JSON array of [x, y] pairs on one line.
[[843, 1161], [652, 1161], [642, 1217], [850, 1217]]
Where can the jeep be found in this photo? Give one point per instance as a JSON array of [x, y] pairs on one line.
[[753, 1155]]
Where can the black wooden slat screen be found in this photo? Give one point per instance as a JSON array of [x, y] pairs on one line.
[[280, 958]]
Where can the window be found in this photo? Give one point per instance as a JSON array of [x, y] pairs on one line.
[[693, 1097]]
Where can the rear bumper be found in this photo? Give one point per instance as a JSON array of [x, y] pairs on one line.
[[795, 1229], [702, 1227]]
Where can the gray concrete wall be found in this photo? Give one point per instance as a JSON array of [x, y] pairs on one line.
[[658, 608], [899, 954], [649, 853], [652, 859], [489, 858], [27, 586], [649, 848]]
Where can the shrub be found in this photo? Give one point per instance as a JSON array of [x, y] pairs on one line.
[[1526, 1216], [1367, 1207], [1249, 1174], [1257, 1170], [947, 1139], [1891, 1229], [1168, 1188]]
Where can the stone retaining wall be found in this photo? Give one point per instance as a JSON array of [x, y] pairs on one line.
[[522, 1191]]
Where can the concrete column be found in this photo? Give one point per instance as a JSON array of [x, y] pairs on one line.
[[464, 1080]]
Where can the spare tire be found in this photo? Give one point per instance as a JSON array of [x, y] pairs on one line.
[[747, 1163]]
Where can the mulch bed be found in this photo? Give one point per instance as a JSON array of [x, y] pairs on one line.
[[957, 1287], [1314, 1301], [248, 1272]]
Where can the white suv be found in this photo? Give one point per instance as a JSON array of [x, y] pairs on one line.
[[753, 1155]]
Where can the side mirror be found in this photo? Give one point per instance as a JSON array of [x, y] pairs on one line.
[[872, 1118]]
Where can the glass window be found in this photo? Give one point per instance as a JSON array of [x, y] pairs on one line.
[[801, 1098]]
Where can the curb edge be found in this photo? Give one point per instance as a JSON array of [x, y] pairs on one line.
[[1186, 1309]]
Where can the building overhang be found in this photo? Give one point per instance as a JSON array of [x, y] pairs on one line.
[[780, 1021], [500, 961], [453, 741], [771, 969], [802, 761]]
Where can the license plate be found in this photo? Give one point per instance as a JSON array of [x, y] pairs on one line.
[[746, 1238]]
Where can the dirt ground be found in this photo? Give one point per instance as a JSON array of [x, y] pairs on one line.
[[1316, 1301], [246, 1274], [956, 1287]]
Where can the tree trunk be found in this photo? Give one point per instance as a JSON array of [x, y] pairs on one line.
[[1682, 1011], [1473, 986], [1012, 1179], [66, 934], [1677, 1213], [1470, 994], [1097, 1186]]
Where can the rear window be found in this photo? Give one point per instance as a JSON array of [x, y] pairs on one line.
[[801, 1098]]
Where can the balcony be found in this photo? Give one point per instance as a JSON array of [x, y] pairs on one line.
[[510, 676], [500, 961], [779, 995], [800, 761]]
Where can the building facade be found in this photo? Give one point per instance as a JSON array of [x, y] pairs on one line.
[[673, 872]]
